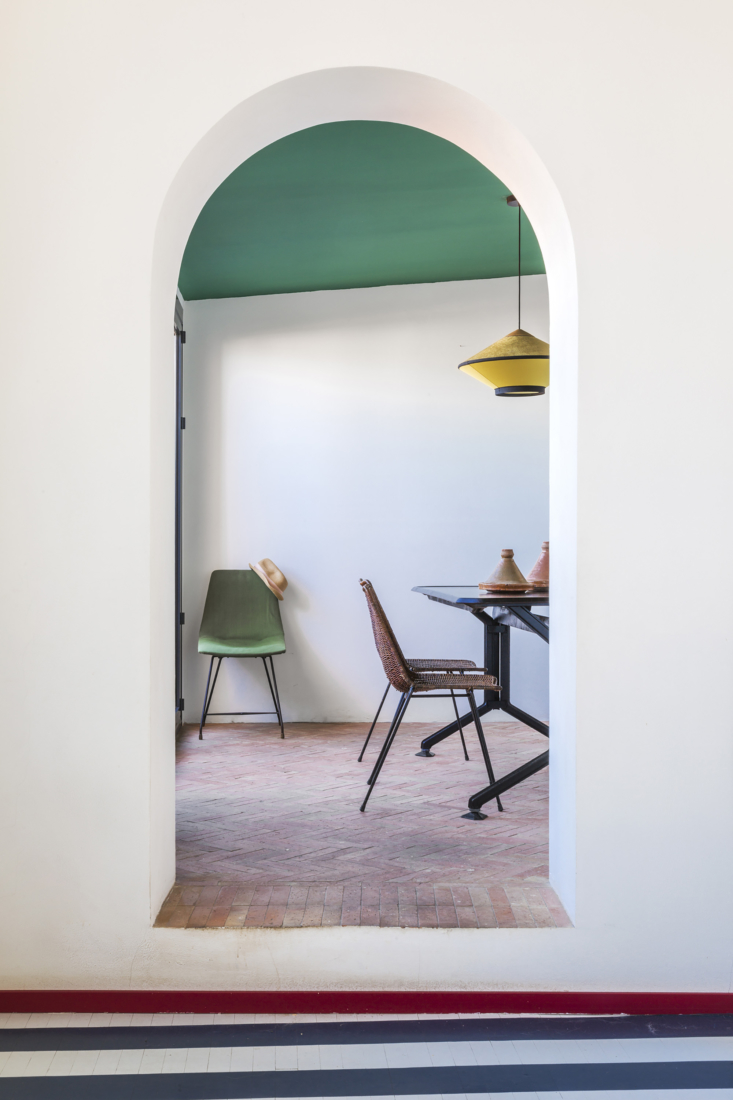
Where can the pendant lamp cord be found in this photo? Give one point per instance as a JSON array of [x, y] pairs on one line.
[[519, 266]]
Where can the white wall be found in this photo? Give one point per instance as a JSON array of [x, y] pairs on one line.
[[332, 432], [608, 121]]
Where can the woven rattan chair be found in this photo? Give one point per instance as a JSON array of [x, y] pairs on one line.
[[420, 664], [410, 681]]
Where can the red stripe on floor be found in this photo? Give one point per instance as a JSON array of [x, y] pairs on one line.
[[404, 1001]]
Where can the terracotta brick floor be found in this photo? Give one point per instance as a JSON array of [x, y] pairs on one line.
[[270, 833]]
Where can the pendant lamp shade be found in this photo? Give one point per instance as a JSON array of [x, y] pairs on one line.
[[518, 365]]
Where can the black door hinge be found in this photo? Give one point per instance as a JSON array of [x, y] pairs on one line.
[[181, 617], [180, 704], [183, 422]]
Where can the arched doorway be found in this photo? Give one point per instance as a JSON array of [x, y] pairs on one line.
[[385, 95]]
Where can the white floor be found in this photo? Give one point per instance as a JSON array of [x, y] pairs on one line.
[[249, 1059], [352, 1056]]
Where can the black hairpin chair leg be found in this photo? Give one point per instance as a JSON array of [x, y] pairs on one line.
[[482, 743], [460, 727], [376, 716], [277, 697], [399, 715], [388, 739], [209, 695], [274, 693]]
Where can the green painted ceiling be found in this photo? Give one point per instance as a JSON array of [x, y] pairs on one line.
[[352, 204]]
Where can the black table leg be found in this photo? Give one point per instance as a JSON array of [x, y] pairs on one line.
[[528, 719], [510, 780], [493, 631], [493, 635], [505, 666], [476, 801], [505, 679], [497, 660]]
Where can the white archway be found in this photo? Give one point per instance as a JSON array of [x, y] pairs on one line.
[[385, 95]]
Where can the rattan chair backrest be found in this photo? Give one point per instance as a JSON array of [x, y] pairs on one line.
[[388, 648]]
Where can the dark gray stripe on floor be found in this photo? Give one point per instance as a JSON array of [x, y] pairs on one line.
[[374, 1082], [370, 1031]]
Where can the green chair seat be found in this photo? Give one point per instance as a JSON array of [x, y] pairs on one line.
[[241, 647]]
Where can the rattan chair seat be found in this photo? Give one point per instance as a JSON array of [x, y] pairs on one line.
[[479, 681], [427, 664]]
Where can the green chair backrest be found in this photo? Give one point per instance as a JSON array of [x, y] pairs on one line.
[[240, 608]]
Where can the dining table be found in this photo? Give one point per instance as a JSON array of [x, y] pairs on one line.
[[499, 614]]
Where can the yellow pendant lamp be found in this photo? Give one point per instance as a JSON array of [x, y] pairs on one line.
[[518, 365]]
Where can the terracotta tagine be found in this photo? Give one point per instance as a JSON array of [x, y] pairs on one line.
[[540, 575], [506, 577]]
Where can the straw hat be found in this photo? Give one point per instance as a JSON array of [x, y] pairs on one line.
[[268, 572]]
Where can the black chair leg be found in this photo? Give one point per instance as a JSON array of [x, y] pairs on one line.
[[399, 715], [482, 743], [275, 694], [209, 695], [376, 716], [460, 727], [387, 741]]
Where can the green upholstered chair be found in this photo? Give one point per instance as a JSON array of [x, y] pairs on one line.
[[241, 619]]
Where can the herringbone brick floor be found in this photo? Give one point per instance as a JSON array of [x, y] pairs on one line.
[[270, 833]]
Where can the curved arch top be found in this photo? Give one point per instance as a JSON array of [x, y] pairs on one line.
[[413, 99], [384, 95]]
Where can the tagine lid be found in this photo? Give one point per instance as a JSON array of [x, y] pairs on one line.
[[507, 577], [539, 575]]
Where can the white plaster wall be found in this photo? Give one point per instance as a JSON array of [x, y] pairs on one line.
[[624, 107], [332, 432]]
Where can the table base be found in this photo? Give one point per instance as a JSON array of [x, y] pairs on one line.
[[497, 660]]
